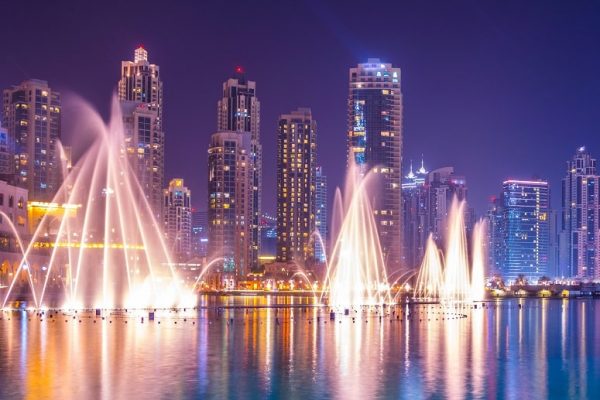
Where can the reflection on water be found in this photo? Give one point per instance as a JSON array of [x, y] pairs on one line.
[[547, 348]]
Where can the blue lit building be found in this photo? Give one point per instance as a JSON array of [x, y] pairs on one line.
[[321, 215], [525, 220], [375, 143]]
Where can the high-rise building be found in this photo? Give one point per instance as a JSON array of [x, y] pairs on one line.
[[414, 216], [443, 187], [230, 202], [140, 92], [375, 143], [525, 220], [321, 215], [32, 116], [296, 186], [199, 233], [580, 217], [239, 111], [178, 219]]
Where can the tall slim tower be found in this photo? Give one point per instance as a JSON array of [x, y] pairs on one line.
[[178, 219], [32, 116], [375, 143], [580, 217], [296, 186], [321, 215], [140, 93], [230, 174], [239, 111]]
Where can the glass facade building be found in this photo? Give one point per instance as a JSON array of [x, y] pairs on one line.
[[526, 229], [375, 144]]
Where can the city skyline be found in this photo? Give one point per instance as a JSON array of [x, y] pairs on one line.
[[502, 101]]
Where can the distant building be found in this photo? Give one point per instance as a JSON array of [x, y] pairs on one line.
[[199, 234], [521, 230], [495, 234], [414, 216], [554, 245], [239, 111], [375, 143], [296, 186], [581, 217], [178, 219], [321, 215], [427, 197], [32, 116], [443, 187], [230, 203], [140, 92]]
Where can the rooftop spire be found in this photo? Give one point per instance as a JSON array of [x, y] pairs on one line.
[[422, 170], [410, 175]]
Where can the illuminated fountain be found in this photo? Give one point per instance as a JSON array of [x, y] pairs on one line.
[[452, 278], [108, 252], [356, 273]]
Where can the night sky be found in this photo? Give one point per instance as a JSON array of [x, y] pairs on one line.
[[500, 90]]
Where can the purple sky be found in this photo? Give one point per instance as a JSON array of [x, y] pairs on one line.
[[501, 90]]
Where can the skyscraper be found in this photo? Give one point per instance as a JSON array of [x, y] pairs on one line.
[[525, 208], [230, 201], [375, 143], [321, 214], [178, 219], [296, 186], [414, 216], [32, 116], [239, 111], [580, 216], [140, 93]]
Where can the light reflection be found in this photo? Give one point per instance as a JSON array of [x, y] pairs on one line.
[[496, 351]]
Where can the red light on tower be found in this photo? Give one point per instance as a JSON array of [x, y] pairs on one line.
[[239, 70]]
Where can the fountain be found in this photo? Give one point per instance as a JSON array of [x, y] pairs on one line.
[[106, 250], [453, 278], [356, 273]]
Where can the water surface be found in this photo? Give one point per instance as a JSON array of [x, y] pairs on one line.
[[548, 348]]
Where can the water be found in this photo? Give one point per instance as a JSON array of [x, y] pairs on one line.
[[549, 348]]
